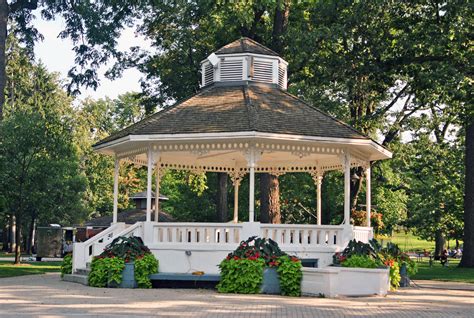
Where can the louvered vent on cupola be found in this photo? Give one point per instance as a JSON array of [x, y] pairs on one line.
[[282, 76], [244, 61], [208, 74], [231, 70], [262, 70]]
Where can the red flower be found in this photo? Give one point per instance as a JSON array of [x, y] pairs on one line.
[[236, 258], [295, 259], [389, 262], [257, 255], [228, 257]]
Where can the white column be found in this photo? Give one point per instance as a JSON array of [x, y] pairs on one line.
[[368, 193], [157, 193], [319, 182], [116, 182], [347, 188], [251, 164], [148, 184], [236, 201]]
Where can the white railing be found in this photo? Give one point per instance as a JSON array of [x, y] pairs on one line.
[[362, 233], [84, 251], [305, 235], [196, 233]]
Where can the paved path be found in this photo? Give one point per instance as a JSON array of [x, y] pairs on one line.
[[433, 284], [47, 296]]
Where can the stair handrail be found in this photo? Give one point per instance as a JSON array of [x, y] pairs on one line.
[[81, 253]]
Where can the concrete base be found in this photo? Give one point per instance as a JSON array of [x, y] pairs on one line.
[[76, 278], [344, 281]]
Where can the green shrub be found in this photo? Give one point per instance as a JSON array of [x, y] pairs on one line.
[[360, 261], [107, 268], [289, 272], [126, 248], [144, 267], [256, 247], [105, 271], [242, 276], [394, 274], [66, 266], [242, 270]]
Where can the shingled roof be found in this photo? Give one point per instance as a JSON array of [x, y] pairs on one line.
[[245, 45], [241, 108]]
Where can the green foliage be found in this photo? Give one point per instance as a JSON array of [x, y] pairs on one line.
[[126, 248], [66, 265], [242, 270], [290, 274], [391, 252], [106, 271], [107, 268], [394, 274], [144, 267], [255, 247], [40, 176], [243, 276], [360, 261], [358, 248]]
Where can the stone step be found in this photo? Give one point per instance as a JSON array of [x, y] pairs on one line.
[[83, 271], [75, 278]]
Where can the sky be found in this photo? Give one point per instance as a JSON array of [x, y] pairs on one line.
[[58, 56]]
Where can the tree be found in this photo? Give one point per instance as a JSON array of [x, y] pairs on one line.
[[96, 119], [40, 177], [468, 251], [222, 209]]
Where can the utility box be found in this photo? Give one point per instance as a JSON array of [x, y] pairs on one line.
[[53, 241]]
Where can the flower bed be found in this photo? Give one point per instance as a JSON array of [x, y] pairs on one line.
[[108, 269], [242, 271]]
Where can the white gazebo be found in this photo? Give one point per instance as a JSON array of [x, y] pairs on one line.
[[241, 122]]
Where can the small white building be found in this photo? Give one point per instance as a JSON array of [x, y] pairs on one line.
[[242, 121]]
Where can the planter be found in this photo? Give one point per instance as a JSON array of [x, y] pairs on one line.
[[271, 281], [128, 277], [345, 281]]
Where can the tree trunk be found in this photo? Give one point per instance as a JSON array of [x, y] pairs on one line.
[[356, 186], [269, 199], [221, 202], [12, 234], [4, 11], [18, 242], [280, 22], [31, 236], [440, 243], [6, 236], [468, 248]]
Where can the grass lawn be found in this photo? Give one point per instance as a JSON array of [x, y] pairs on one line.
[[451, 273], [7, 269], [410, 243]]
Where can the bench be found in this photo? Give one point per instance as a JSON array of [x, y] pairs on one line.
[[180, 280]]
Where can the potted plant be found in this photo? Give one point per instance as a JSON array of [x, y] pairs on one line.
[[259, 266], [126, 262]]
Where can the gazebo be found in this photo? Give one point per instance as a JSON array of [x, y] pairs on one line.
[[242, 121]]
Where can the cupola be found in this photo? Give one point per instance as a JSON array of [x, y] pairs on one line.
[[244, 60]]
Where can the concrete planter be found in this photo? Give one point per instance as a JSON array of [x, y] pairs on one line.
[[128, 277], [345, 281], [271, 281]]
